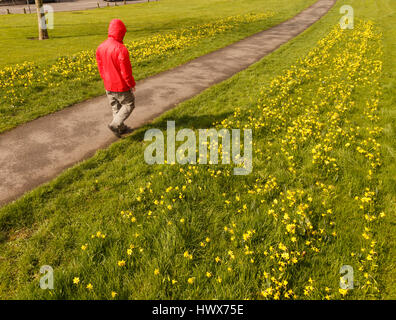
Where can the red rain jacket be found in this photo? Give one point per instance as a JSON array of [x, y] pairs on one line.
[[113, 60]]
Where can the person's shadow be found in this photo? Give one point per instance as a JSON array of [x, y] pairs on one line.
[[190, 122]]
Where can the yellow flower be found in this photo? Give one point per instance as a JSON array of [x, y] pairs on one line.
[[285, 255], [382, 214], [282, 246], [343, 292], [76, 280], [113, 294], [291, 228], [208, 274], [231, 254], [121, 263], [156, 272], [89, 286], [191, 280]]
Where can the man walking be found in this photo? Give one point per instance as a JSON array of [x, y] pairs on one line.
[[116, 71]]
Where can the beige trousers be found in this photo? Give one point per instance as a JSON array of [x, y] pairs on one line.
[[122, 104]]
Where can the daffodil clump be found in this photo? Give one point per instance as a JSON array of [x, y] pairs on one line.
[[17, 80], [276, 222], [294, 119]]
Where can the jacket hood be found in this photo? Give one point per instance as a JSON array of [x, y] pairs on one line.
[[117, 29]]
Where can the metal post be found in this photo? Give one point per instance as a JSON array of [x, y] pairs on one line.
[[27, 2]]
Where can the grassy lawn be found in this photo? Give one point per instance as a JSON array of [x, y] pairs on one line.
[[321, 194], [38, 78]]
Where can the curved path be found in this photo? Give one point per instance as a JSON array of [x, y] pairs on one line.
[[36, 152]]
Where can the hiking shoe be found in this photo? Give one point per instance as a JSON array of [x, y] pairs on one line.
[[116, 131], [126, 129]]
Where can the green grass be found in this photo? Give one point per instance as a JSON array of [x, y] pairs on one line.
[[85, 30], [50, 224], [81, 30]]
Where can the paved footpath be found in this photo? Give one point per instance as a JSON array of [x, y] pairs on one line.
[[38, 151], [73, 5]]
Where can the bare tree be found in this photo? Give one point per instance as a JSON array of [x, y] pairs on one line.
[[42, 26]]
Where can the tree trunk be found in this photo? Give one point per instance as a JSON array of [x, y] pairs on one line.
[[42, 26]]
